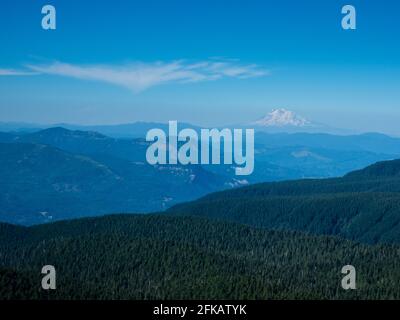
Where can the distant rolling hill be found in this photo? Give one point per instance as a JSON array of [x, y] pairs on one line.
[[133, 130], [41, 183], [370, 142], [160, 257], [362, 206], [85, 142], [280, 156]]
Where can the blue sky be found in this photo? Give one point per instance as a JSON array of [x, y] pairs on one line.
[[205, 62]]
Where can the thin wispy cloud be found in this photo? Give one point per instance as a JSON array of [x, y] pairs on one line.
[[10, 72], [141, 76]]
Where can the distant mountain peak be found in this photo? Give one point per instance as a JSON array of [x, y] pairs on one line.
[[282, 117], [63, 132]]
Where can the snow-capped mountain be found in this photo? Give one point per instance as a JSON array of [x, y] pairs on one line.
[[281, 118]]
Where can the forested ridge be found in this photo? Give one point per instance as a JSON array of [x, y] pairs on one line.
[[160, 257], [362, 206]]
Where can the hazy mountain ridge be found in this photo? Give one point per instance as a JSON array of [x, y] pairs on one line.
[[72, 182], [289, 155]]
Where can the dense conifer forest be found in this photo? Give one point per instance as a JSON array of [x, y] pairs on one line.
[[363, 206], [160, 257]]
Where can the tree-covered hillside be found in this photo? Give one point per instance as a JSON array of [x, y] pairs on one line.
[[158, 257], [362, 206], [42, 183]]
